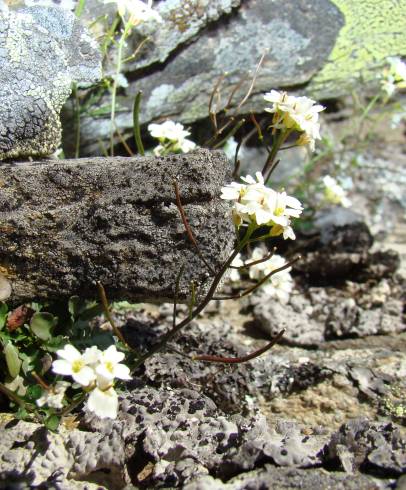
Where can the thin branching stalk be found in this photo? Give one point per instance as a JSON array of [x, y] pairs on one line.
[[123, 141], [121, 44], [278, 142], [77, 120], [230, 134], [240, 360], [189, 229], [250, 290], [13, 396], [254, 79], [106, 309], [256, 262], [200, 307], [176, 295]]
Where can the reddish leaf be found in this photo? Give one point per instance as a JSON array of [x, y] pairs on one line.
[[18, 317]]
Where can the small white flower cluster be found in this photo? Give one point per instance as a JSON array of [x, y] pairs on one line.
[[394, 76], [95, 371], [334, 193], [295, 113], [137, 10], [278, 286], [256, 203], [172, 138]]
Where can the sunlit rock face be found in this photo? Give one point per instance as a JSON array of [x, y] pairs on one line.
[[42, 51]]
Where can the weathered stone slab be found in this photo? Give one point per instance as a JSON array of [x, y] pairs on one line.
[[43, 50], [66, 224], [322, 48]]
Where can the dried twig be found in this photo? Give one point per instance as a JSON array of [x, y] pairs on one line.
[[106, 309], [250, 290], [188, 229], [239, 360]]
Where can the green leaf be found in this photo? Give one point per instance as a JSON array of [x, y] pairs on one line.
[[34, 392], [52, 422], [12, 360], [91, 311], [3, 314], [42, 323], [74, 306], [21, 414]]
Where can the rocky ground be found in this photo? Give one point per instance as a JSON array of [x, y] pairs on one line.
[[325, 408]]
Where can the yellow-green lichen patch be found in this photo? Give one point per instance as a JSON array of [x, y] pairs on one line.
[[373, 30]]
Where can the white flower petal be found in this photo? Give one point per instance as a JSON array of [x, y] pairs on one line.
[[103, 403], [60, 366], [85, 376], [121, 371], [69, 352]]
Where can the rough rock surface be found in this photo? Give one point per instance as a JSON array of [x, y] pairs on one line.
[[324, 48], [346, 290], [171, 433], [42, 51], [67, 224]]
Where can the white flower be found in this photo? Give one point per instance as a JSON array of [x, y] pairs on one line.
[[54, 396], [280, 284], [73, 363], [137, 10], [109, 366], [256, 203], [103, 402], [172, 138], [296, 113], [168, 130], [334, 193], [186, 146], [394, 76]]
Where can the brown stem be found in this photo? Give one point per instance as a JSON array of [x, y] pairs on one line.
[[199, 308], [259, 283], [106, 309], [254, 79], [239, 360], [256, 262], [188, 228], [40, 381]]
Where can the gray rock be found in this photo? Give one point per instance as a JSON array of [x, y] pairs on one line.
[[379, 447], [115, 221], [296, 39], [30, 454], [42, 51], [288, 479]]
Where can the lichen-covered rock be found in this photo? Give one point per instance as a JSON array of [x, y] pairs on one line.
[[42, 51], [325, 48], [296, 41], [381, 447], [287, 479], [31, 454]]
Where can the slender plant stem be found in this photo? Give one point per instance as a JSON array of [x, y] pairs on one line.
[[13, 396], [106, 308], [200, 307], [267, 169], [239, 360], [121, 43]]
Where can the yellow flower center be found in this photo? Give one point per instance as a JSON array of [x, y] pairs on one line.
[[109, 366], [77, 365]]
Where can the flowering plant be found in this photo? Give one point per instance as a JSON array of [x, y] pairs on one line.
[[172, 138]]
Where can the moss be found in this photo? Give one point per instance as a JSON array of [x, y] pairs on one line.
[[373, 30]]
